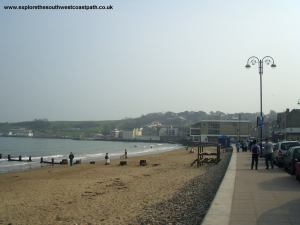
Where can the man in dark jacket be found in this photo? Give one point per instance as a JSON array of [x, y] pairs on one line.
[[71, 157], [255, 153]]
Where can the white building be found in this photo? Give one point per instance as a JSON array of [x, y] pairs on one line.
[[21, 132], [115, 133]]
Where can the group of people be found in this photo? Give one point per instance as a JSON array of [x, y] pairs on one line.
[[242, 146], [107, 159], [257, 151]]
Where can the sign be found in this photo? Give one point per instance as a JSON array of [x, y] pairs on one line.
[[260, 121]]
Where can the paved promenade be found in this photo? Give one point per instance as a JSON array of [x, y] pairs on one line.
[[262, 197]]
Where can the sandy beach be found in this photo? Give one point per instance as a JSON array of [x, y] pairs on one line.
[[93, 194]]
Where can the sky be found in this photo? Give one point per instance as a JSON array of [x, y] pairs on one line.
[[146, 56]]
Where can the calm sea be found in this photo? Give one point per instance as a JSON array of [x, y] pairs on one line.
[[60, 148]]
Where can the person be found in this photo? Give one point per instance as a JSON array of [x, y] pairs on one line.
[[250, 145], [244, 146], [268, 150], [71, 157], [125, 155], [255, 153], [238, 145], [107, 160], [192, 150]]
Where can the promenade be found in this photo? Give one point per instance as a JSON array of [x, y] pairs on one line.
[[262, 197]]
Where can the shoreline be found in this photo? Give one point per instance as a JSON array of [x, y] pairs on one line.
[[85, 151], [113, 156], [94, 194]]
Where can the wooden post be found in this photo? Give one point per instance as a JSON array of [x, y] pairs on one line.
[[30, 159], [52, 161], [8, 157], [42, 160], [0, 156], [20, 158]]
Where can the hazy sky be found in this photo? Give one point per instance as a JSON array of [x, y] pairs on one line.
[[146, 56]]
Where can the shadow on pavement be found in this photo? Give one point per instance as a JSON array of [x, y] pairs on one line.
[[287, 213], [284, 183]]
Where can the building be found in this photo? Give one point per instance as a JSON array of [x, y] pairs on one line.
[[137, 132], [288, 125], [168, 131], [127, 134], [20, 132], [115, 133], [211, 130]]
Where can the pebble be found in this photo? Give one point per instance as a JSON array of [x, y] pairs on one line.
[[189, 205]]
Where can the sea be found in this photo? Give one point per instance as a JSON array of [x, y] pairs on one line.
[[60, 149]]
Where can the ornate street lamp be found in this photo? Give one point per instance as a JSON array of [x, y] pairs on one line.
[[268, 60]]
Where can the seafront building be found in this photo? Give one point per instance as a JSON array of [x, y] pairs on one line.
[[288, 125], [20, 132], [211, 130]]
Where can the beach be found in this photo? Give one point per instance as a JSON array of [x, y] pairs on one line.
[[95, 193]]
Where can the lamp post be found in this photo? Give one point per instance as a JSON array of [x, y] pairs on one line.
[[268, 60]]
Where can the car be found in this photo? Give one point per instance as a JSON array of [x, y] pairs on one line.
[[297, 170], [280, 149], [290, 158]]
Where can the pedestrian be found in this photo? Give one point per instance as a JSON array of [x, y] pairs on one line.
[[238, 145], [125, 155], [268, 150], [250, 145], [107, 160], [71, 157], [255, 153], [192, 150]]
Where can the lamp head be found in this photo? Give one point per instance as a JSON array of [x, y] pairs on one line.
[[248, 66], [273, 65]]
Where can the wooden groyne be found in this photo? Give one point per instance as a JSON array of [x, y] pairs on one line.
[[20, 159], [62, 162], [10, 158]]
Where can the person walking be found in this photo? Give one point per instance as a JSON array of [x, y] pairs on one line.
[[125, 155], [268, 150], [107, 160], [238, 145], [71, 157], [255, 153]]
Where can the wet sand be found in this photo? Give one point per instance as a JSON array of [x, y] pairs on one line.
[[93, 194]]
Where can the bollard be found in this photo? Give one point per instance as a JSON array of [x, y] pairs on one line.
[[42, 160], [8, 157], [20, 158]]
